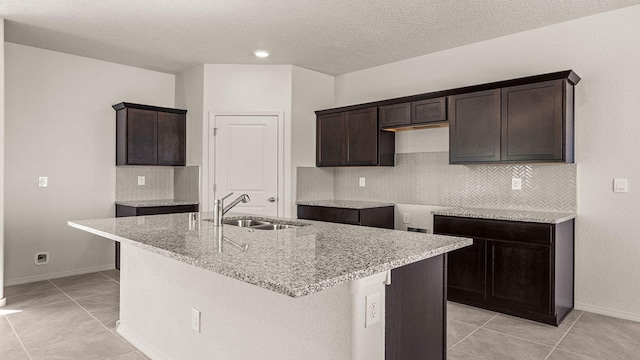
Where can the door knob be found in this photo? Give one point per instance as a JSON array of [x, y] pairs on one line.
[[271, 199]]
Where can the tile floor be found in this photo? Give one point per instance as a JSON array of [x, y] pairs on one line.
[[67, 318], [75, 317]]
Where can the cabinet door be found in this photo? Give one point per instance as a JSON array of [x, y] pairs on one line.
[[172, 130], [395, 115], [142, 130], [428, 111], [330, 139], [474, 127], [520, 276], [466, 273], [532, 122], [362, 137]]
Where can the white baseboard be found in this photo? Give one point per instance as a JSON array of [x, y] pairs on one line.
[[29, 279], [607, 311], [139, 343]]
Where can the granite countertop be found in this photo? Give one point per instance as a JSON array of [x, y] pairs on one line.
[[152, 203], [294, 262], [512, 215], [347, 204]]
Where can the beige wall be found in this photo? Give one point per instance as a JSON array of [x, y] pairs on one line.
[[603, 49], [60, 124], [310, 91], [189, 95], [2, 111]]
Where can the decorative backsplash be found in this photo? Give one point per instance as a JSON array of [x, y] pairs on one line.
[[179, 183], [427, 178]]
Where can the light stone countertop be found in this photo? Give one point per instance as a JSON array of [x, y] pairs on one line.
[[511, 215], [294, 262], [347, 204], [152, 203]]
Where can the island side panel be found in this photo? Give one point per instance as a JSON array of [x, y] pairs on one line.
[[416, 311], [238, 320]]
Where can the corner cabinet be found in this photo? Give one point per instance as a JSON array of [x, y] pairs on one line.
[[352, 138], [150, 135], [524, 123], [518, 268]]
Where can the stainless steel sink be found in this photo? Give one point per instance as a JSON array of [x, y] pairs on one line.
[[273, 226], [258, 224], [244, 222]]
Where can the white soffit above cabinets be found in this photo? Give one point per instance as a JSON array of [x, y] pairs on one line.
[[331, 36]]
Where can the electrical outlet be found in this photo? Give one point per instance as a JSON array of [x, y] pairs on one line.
[[406, 218], [43, 181], [362, 182], [195, 320], [373, 311], [141, 180], [516, 183]]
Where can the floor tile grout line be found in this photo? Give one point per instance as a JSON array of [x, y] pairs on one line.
[[473, 332], [519, 338], [85, 310], [18, 337], [564, 336]]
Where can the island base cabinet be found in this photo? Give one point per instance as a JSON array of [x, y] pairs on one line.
[[517, 268], [416, 311]]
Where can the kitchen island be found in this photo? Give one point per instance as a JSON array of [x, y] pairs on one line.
[[190, 290]]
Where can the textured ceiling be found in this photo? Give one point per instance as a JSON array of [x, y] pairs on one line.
[[329, 36]]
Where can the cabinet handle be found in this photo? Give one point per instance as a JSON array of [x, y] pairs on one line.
[[271, 199]]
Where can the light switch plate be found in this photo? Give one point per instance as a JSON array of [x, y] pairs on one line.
[[620, 185]]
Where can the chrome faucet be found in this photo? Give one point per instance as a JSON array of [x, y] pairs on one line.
[[219, 209]]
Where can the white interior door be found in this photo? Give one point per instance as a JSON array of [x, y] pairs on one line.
[[246, 161]]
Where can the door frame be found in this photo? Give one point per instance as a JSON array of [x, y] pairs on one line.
[[209, 172]]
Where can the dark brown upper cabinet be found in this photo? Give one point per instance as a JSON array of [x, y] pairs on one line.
[[150, 135], [523, 123], [474, 127], [352, 138], [413, 114]]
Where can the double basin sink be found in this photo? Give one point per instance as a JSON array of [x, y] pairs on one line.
[[258, 224]]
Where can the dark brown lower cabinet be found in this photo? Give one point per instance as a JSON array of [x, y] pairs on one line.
[[416, 311], [124, 211], [517, 268], [381, 217]]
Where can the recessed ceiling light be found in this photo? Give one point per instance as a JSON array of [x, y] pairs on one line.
[[261, 53]]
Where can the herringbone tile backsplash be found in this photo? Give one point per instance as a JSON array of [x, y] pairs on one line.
[[427, 178], [161, 183]]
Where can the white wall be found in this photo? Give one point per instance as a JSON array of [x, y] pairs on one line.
[[246, 88], [60, 124], [310, 91], [2, 110], [189, 95], [602, 49]]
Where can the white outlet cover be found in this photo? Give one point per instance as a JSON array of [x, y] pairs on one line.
[[620, 185], [141, 180], [362, 182], [516, 183], [195, 320], [43, 181], [406, 218], [373, 311]]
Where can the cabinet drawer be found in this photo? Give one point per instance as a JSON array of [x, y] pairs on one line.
[[336, 215], [501, 230]]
